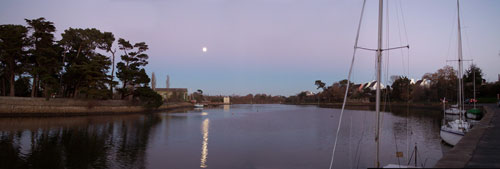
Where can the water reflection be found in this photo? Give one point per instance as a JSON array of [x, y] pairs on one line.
[[247, 136], [112, 144], [204, 144]]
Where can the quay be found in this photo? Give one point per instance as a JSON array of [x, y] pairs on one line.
[[480, 147]]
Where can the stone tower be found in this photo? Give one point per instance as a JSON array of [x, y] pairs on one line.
[[153, 81], [168, 81]]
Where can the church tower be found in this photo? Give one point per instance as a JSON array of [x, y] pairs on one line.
[[153, 81], [168, 82]]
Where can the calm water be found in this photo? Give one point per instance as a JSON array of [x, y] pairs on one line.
[[236, 136]]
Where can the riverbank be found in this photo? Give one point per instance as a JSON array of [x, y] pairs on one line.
[[368, 106], [479, 147], [24, 106]]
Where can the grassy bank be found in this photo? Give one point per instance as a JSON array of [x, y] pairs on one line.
[[22, 106]]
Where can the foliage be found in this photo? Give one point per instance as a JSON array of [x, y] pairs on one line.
[[469, 80], [443, 84], [401, 89], [198, 96], [44, 60], [23, 87], [13, 40], [131, 69], [319, 84], [85, 69], [148, 97]]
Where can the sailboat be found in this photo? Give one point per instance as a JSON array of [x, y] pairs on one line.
[[378, 88], [454, 110], [453, 131]]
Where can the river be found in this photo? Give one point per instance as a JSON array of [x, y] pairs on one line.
[[230, 136]]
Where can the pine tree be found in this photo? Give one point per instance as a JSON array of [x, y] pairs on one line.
[[44, 60], [13, 40], [131, 69]]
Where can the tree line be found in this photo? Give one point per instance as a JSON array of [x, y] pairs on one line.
[[34, 64], [434, 87]]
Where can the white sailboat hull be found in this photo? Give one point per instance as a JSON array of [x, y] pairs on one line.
[[399, 166], [453, 131], [471, 116], [451, 137], [453, 111]]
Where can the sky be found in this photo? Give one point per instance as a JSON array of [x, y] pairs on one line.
[[280, 47]]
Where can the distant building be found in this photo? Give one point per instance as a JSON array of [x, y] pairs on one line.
[[361, 87], [373, 85], [226, 100], [173, 94], [425, 83], [309, 93]]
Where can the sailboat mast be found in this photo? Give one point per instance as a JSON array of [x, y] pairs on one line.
[[379, 70], [460, 64], [474, 82]]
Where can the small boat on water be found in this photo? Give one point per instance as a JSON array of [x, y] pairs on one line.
[[453, 110], [474, 113], [198, 105]]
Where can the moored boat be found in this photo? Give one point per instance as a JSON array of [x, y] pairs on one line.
[[452, 132], [454, 110], [198, 105], [474, 113]]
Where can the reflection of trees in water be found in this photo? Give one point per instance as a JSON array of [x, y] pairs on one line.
[[132, 142], [117, 144]]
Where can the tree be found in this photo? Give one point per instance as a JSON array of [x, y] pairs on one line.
[[107, 43], [443, 84], [23, 87], [131, 69], [85, 69], [470, 74], [319, 84], [13, 40], [148, 97], [44, 59], [401, 89], [198, 95]]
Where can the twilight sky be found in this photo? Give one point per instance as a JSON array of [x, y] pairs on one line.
[[278, 47]]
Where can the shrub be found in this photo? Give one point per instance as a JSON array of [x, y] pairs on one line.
[[148, 97]]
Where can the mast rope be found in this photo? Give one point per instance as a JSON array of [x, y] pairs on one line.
[[348, 84]]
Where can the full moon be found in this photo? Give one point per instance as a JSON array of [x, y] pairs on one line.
[[204, 49]]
